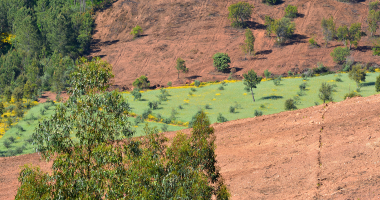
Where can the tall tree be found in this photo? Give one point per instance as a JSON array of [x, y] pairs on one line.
[[251, 80], [325, 92], [357, 74], [343, 34], [249, 42], [181, 66], [373, 20], [328, 29]]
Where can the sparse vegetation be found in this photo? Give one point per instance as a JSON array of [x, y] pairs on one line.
[[290, 104], [328, 29], [249, 43], [221, 119], [352, 94], [313, 43], [270, 2], [181, 66], [267, 74], [258, 113], [284, 29], [357, 74]]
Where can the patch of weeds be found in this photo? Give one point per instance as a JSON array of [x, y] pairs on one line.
[[221, 118], [221, 88], [232, 109], [258, 113], [207, 106]]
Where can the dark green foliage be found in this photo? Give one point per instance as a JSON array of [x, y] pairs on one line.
[[137, 31], [146, 113], [340, 54], [207, 106], [221, 87], [325, 92], [181, 66], [232, 109], [328, 29], [321, 69], [373, 20], [136, 94], [18, 94], [371, 69], [291, 11], [168, 121], [249, 42], [270, 2], [153, 105], [11, 139], [180, 107], [239, 13], [376, 47], [193, 89], [139, 119], [302, 86], [221, 118], [352, 94], [258, 113], [377, 84], [194, 118], [269, 25], [1, 108], [7, 144], [221, 61], [7, 94], [290, 104], [290, 73], [197, 83], [191, 93], [163, 95], [141, 82], [284, 29], [357, 74], [251, 80], [337, 79], [267, 74], [169, 83]]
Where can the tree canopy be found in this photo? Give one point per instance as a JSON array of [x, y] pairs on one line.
[[239, 13], [251, 80]]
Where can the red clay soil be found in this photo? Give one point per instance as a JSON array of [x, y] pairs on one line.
[[52, 96], [195, 30], [331, 151]]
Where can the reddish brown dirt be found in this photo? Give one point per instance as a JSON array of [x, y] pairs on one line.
[[195, 30], [52, 96], [330, 151]]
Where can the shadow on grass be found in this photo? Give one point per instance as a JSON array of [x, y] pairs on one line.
[[367, 84], [273, 97]]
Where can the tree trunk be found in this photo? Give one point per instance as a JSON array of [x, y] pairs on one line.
[[253, 97]]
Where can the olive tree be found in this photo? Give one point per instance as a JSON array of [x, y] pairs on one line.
[[221, 61], [357, 74], [239, 13], [325, 92], [251, 80], [284, 29]]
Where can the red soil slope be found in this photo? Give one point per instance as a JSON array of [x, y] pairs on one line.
[[195, 30], [330, 151]]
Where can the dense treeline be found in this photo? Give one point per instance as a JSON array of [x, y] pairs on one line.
[[40, 39]]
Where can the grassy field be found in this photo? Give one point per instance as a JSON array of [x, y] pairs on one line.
[[269, 98], [186, 102]]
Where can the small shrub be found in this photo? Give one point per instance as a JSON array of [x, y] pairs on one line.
[[42, 111], [247, 89], [221, 118], [197, 83], [46, 106], [136, 94], [193, 89], [164, 128], [371, 69], [19, 150], [146, 113], [313, 43], [221, 87], [12, 139], [270, 2], [267, 74], [139, 119], [340, 54], [262, 106], [180, 107], [320, 69], [29, 140], [169, 83], [239, 12], [173, 114], [258, 113], [137, 31], [377, 84], [302, 86], [316, 103], [207, 106], [232, 109], [167, 121], [158, 117], [337, 79], [291, 11], [290, 73], [300, 93], [153, 105], [290, 104], [7, 144], [20, 128], [164, 95], [190, 93], [352, 94], [277, 81]]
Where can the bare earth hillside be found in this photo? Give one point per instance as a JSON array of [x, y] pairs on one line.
[[331, 151], [195, 30]]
